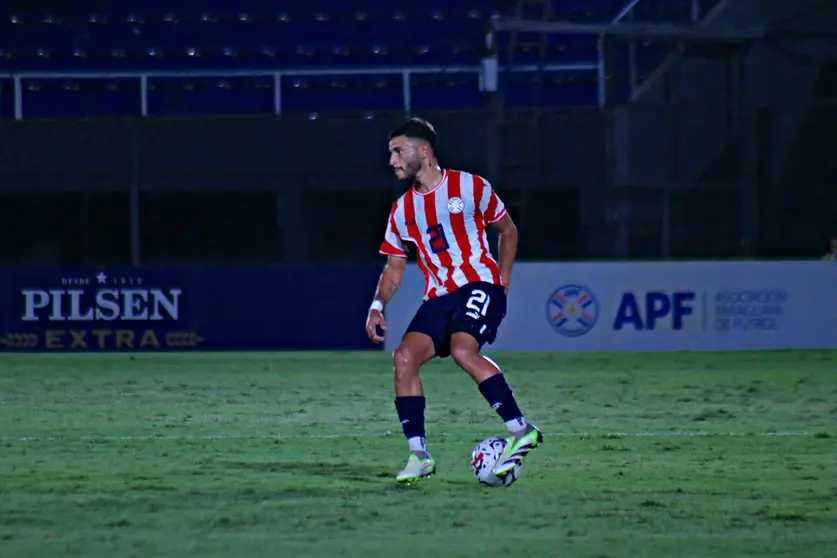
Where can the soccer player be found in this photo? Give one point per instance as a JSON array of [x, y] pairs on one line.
[[444, 214]]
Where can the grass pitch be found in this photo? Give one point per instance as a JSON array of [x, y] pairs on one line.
[[294, 455]]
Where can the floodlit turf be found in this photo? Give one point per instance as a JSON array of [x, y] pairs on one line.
[[293, 455]]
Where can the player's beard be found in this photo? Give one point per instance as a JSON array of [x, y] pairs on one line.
[[411, 169]]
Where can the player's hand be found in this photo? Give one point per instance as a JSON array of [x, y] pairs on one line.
[[373, 322]]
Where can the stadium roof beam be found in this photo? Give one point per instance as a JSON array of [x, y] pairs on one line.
[[627, 29]]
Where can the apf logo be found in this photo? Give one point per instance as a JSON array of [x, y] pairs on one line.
[[572, 310]]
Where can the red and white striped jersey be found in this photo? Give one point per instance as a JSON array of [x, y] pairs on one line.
[[447, 225]]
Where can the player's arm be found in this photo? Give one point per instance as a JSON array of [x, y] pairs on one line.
[[388, 284], [393, 248], [507, 246], [396, 252], [494, 212], [390, 280]]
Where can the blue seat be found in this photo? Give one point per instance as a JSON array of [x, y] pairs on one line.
[[447, 91], [81, 98], [154, 37], [586, 10], [664, 11], [556, 88], [195, 96], [211, 35], [317, 94]]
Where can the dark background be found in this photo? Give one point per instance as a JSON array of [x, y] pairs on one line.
[[263, 190], [729, 149]]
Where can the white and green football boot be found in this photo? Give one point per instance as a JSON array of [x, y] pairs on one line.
[[420, 465], [518, 447]]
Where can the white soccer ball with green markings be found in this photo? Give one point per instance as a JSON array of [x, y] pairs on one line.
[[484, 456]]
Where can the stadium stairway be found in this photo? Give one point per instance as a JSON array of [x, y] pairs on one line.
[[715, 95]]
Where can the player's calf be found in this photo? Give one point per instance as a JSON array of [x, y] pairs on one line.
[[405, 367], [415, 350], [500, 397], [420, 464], [489, 378], [523, 436]]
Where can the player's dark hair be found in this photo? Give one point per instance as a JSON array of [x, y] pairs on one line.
[[416, 128]]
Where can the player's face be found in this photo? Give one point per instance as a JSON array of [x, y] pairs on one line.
[[404, 158]]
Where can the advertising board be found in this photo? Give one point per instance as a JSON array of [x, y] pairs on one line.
[[185, 308], [656, 306]]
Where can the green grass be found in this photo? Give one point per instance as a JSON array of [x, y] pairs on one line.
[[293, 455]]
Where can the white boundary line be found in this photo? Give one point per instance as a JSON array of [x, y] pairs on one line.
[[594, 435]]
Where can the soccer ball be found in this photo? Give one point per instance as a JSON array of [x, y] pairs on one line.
[[483, 457]]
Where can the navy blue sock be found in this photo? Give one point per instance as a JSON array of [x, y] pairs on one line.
[[499, 395], [410, 410]]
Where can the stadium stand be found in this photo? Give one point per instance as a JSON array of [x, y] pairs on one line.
[[221, 57]]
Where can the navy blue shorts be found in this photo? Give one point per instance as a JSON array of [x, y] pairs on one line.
[[476, 309]]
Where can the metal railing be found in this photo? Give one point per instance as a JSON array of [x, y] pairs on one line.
[[405, 72]]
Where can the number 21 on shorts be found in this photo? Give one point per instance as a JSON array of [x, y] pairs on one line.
[[477, 304]]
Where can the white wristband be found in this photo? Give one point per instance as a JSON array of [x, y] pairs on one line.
[[377, 305]]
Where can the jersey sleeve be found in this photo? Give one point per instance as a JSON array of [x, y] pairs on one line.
[[491, 206], [392, 244]]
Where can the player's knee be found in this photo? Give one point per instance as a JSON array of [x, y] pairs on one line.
[[404, 360]]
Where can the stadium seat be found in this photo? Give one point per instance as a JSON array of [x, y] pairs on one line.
[[81, 98], [212, 35], [445, 91], [341, 93], [556, 88]]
